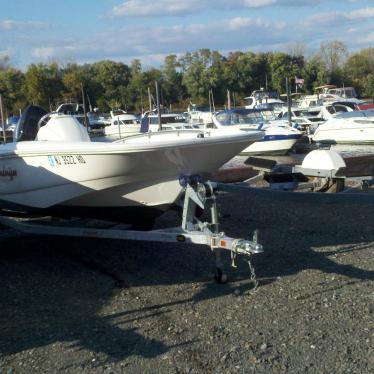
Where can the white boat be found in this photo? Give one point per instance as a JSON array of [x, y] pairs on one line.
[[355, 127], [122, 124], [331, 93], [305, 120], [264, 99], [95, 124], [57, 170], [329, 111], [278, 139], [200, 115], [169, 121]]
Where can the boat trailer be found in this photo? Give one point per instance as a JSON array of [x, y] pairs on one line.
[[198, 196], [321, 171], [201, 196]]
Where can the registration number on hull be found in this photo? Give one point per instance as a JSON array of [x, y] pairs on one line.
[[57, 160]]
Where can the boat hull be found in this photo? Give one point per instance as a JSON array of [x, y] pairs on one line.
[[345, 136], [274, 147], [356, 129], [95, 178]]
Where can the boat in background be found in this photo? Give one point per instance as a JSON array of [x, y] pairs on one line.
[[278, 139], [169, 121], [330, 93], [303, 119], [354, 127], [122, 124], [264, 99], [333, 109], [94, 123], [200, 115], [53, 168]]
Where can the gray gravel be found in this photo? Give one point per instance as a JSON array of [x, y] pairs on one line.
[[100, 306]]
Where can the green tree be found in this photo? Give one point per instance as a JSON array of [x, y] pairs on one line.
[[172, 77], [136, 91], [359, 67], [11, 82], [43, 84], [202, 71], [315, 74], [368, 88], [73, 79], [334, 54], [113, 77], [283, 65]]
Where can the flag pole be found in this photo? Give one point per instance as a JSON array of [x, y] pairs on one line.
[[2, 119]]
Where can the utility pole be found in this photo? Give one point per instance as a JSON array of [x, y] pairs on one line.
[[214, 108], [288, 101], [141, 101], [150, 100], [158, 107], [2, 118], [84, 108], [210, 102]]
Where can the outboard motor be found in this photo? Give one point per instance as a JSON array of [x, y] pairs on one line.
[[27, 126]]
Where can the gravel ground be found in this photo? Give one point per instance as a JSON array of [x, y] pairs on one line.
[[100, 306]]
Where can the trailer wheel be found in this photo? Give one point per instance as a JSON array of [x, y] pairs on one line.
[[220, 277], [337, 185], [329, 185]]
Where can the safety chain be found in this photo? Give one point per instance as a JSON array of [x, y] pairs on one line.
[[253, 275]]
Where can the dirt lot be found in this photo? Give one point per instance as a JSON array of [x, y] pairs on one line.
[[101, 306]]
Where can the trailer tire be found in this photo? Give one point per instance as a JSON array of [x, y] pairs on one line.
[[329, 185], [220, 277]]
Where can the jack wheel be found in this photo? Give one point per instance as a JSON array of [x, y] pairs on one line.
[[329, 185], [220, 277]]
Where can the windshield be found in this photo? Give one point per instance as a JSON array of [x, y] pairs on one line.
[[268, 115], [240, 118], [118, 112], [168, 119], [127, 122], [261, 95]]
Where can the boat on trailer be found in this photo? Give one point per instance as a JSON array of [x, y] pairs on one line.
[[54, 168]]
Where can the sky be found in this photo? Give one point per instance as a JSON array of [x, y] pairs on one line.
[[85, 31]]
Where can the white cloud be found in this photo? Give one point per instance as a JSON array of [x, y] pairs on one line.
[[257, 3], [366, 38], [361, 13], [239, 22], [7, 52], [11, 25], [339, 17], [152, 8], [44, 53], [152, 41], [141, 8], [149, 8]]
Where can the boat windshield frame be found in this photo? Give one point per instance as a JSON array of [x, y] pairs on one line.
[[240, 117]]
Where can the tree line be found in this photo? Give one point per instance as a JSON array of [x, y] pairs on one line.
[[188, 78]]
